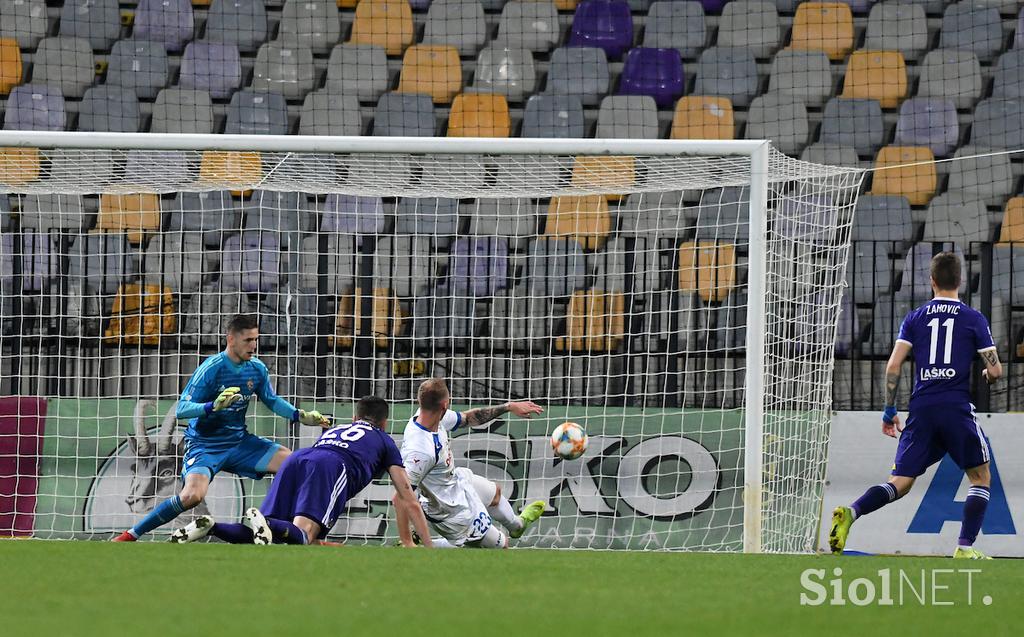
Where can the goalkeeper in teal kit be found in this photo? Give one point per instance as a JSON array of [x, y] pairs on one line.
[[215, 401]]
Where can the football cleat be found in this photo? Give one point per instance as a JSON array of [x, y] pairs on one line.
[[842, 519], [256, 523], [530, 514], [195, 530], [969, 553], [125, 537]]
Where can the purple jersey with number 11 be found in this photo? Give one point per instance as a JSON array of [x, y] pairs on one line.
[[945, 336]]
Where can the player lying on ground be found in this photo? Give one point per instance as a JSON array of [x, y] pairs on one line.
[[944, 335], [311, 490], [459, 504], [216, 399]]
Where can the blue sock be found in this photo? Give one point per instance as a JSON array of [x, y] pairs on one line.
[[874, 498], [233, 533], [974, 513], [159, 516], [286, 532]]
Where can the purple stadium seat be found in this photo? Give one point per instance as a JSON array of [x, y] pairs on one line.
[[607, 24], [479, 266], [212, 67], [351, 214], [35, 107], [257, 257], [928, 122], [167, 21], [713, 6], [654, 72]]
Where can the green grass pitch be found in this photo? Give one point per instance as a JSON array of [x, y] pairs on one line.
[[93, 588]]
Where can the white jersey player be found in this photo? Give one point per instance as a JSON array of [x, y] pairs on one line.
[[461, 506]]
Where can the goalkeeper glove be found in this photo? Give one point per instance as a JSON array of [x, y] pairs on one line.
[[312, 418], [889, 413], [225, 399]]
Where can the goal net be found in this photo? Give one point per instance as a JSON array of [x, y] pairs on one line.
[[677, 303]]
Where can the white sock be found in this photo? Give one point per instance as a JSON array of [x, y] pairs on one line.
[[503, 513], [441, 543]]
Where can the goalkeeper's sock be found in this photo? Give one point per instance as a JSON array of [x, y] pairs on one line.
[[974, 514], [874, 498], [502, 512], [234, 533], [286, 532], [159, 516]]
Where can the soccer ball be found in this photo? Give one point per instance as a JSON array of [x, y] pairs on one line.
[[569, 441]]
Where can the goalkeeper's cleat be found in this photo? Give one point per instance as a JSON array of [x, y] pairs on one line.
[[842, 519], [256, 523], [530, 514], [125, 537], [969, 553], [193, 531]]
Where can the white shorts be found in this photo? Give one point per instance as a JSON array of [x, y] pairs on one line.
[[468, 524]]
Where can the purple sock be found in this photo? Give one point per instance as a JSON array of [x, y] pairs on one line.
[[974, 513], [286, 532], [874, 498], [233, 533]]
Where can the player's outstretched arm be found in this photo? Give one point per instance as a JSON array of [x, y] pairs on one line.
[[893, 371], [407, 509], [285, 409], [483, 415], [993, 367]]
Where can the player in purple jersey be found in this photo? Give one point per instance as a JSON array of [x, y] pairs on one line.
[[314, 484], [945, 335]]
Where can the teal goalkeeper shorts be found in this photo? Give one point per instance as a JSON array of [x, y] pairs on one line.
[[248, 457]]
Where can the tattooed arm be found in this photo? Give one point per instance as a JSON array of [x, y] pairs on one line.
[[483, 415], [890, 421], [993, 368]]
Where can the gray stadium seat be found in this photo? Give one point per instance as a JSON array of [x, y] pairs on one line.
[[310, 23], [436, 217], [728, 72], [458, 23], [239, 22], [24, 21], [404, 115], [998, 123], [96, 21], [629, 265], [182, 111], [869, 272], [886, 318], [284, 69], [989, 178], [915, 283], [830, 155], [1008, 273], [579, 71], [360, 70], [806, 75], [555, 267], [529, 25], [257, 113], [100, 262], [897, 26], [558, 116], [725, 325], [724, 215], [856, 123], [950, 74], [750, 23], [174, 259], [969, 27], [659, 215], [95, 166], [213, 213], [884, 218], [327, 113], [140, 66], [781, 118], [403, 264], [170, 22], [931, 7], [508, 72], [339, 264], [627, 117], [1008, 78], [143, 166], [511, 219], [50, 211], [109, 109], [931, 122], [211, 66], [679, 25], [959, 218], [65, 63], [35, 107]]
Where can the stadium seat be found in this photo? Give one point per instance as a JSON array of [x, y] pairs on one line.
[[508, 72], [886, 317], [252, 262], [629, 265], [607, 24], [830, 155], [897, 26], [627, 117], [35, 107], [907, 171], [723, 214], [781, 118], [806, 75], [654, 72], [174, 259], [553, 116], [284, 69], [168, 167], [310, 24], [1008, 78], [869, 272], [529, 25], [18, 166], [510, 219], [384, 23], [99, 262], [678, 24], [182, 111], [109, 109], [1018, 34], [823, 26], [351, 214], [579, 71], [948, 74], [404, 116], [213, 213], [24, 21], [65, 63], [434, 217], [1012, 230], [49, 212], [987, 177], [169, 22], [928, 122], [359, 70], [1008, 273], [969, 27], [915, 283], [479, 115], [958, 218], [386, 318], [98, 22], [583, 218], [884, 218], [137, 215], [257, 113], [878, 75], [10, 65], [707, 268], [701, 117], [727, 72], [211, 67], [325, 112], [140, 66], [612, 174], [432, 70], [998, 124], [458, 23], [750, 23], [340, 260], [479, 266], [655, 216], [141, 313], [856, 123], [555, 267], [230, 169], [594, 322], [242, 23], [403, 264], [39, 263]]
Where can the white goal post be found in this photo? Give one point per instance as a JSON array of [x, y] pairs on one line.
[[678, 298]]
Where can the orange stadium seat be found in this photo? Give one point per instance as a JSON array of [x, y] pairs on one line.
[[876, 75], [479, 115], [614, 172], [823, 26], [1013, 222], [703, 117], [586, 219], [18, 166], [237, 171], [10, 65], [384, 23], [137, 214], [386, 321], [433, 70], [708, 268], [141, 313], [595, 322], [907, 171]]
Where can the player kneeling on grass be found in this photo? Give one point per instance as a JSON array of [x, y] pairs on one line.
[[945, 336], [313, 485], [459, 504]]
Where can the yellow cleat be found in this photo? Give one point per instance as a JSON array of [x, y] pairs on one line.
[[530, 514], [969, 553], [842, 520]]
